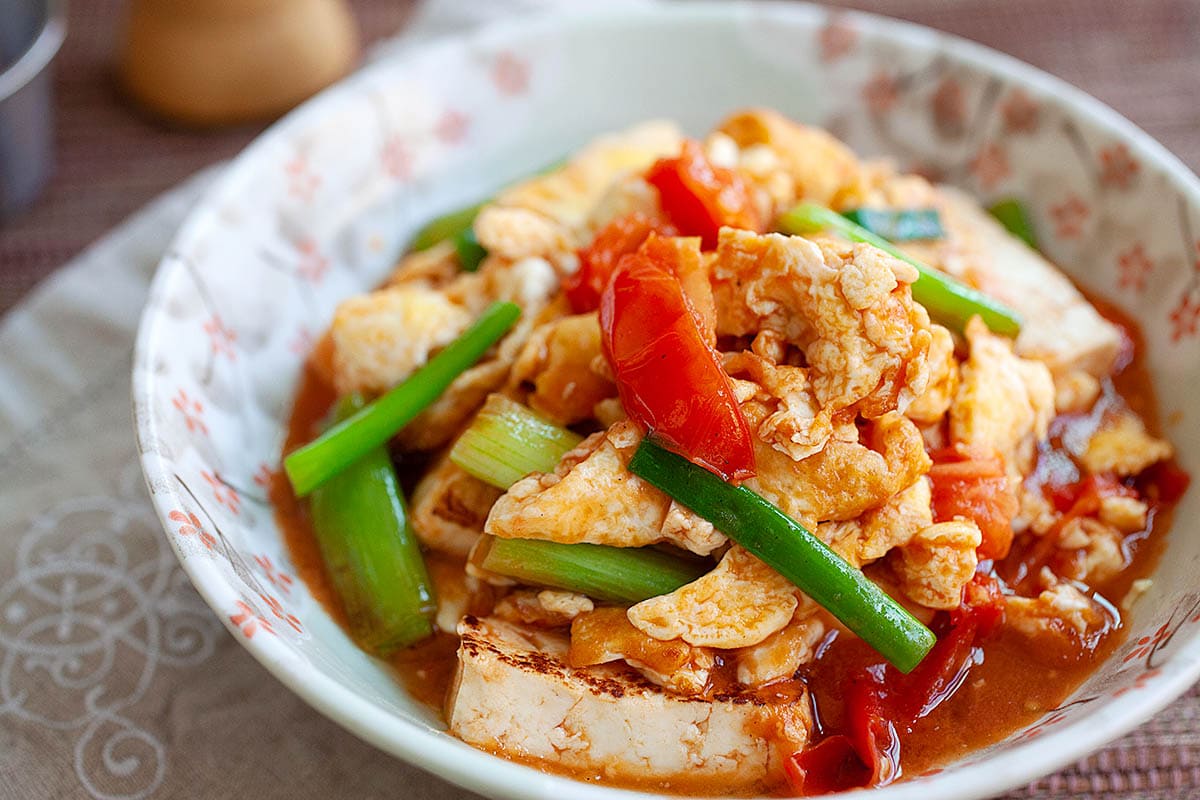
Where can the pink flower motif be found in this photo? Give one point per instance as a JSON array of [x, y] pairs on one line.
[[451, 127], [1037, 730], [1146, 644], [990, 165], [248, 621], [1020, 113], [192, 410], [1117, 167], [313, 265], [223, 493], [510, 74], [189, 525], [836, 39], [397, 158], [1069, 217], [1139, 683], [302, 183], [1134, 266], [262, 477], [220, 338], [280, 580], [881, 93], [1185, 317], [950, 108], [277, 609], [302, 343]]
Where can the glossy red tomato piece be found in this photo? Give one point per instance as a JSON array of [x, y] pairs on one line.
[[983, 602], [699, 197], [669, 378], [977, 489], [622, 236]]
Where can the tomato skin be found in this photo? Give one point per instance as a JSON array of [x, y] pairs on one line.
[[699, 197], [620, 237], [983, 603], [977, 489], [668, 376], [882, 705]]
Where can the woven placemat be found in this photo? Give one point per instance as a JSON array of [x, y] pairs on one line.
[[1140, 57]]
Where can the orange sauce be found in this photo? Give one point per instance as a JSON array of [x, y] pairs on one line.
[[1015, 684]]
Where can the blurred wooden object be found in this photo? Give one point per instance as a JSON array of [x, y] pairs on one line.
[[216, 62]]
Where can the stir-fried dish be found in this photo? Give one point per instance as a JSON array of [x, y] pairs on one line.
[[738, 465]]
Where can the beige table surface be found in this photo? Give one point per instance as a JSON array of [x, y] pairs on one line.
[[1143, 58]]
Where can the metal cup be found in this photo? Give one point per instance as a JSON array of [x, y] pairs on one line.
[[31, 32]]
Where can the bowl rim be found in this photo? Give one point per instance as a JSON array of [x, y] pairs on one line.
[[479, 771], [38, 54]]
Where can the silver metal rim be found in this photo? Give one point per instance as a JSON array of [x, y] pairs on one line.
[[34, 60]]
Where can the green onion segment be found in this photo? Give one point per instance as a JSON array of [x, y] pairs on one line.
[[948, 301], [470, 252], [334, 450], [506, 441], [790, 550], [371, 553], [445, 227], [898, 226], [1012, 214], [613, 574]]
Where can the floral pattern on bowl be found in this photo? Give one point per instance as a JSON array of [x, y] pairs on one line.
[[320, 207]]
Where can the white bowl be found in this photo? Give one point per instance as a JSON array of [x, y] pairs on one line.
[[322, 204]]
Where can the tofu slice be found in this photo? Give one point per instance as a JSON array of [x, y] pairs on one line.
[[515, 694], [1061, 328]]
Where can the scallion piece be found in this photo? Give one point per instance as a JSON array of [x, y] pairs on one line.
[[506, 441], [445, 227], [793, 552], [898, 226], [370, 552], [470, 252], [337, 448], [614, 574], [948, 301], [1011, 213]]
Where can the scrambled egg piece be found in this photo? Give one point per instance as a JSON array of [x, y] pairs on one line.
[[844, 479], [813, 165], [547, 608], [449, 507], [606, 635], [869, 537], [1004, 403], [1123, 447], [865, 341], [1100, 552], [531, 283], [1060, 610], [738, 604], [552, 215], [381, 338], [1126, 514], [1059, 326], [592, 497], [556, 368], [929, 407], [938, 562], [782, 653]]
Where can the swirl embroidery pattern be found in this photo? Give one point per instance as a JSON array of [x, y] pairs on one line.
[[97, 604]]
